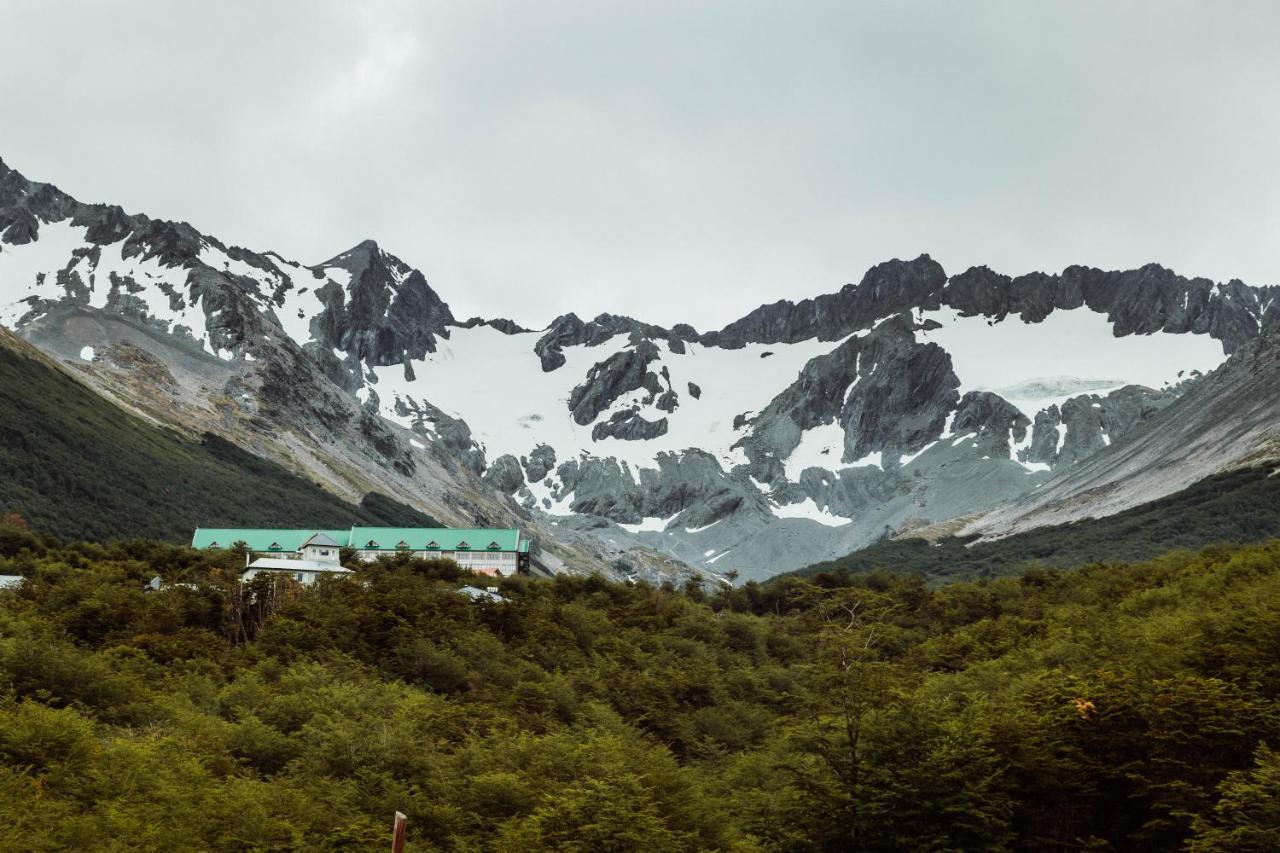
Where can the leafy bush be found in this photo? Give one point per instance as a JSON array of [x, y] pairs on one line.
[[1130, 706]]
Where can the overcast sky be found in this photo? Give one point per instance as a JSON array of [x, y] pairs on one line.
[[680, 161]]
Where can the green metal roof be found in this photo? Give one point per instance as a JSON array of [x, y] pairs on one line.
[[445, 538], [260, 539], [388, 538]]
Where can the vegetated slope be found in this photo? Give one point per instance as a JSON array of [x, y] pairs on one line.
[[1119, 707], [1236, 507], [1229, 420], [77, 466]]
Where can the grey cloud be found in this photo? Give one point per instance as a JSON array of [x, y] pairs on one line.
[[675, 161]]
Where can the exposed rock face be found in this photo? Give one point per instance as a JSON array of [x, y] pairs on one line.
[[541, 460], [1139, 301], [889, 394], [624, 371], [601, 487], [693, 485], [507, 327], [567, 330], [993, 419], [387, 312], [694, 391], [1086, 424], [505, 474], [887, 289], [1227, 419], [629, 426]]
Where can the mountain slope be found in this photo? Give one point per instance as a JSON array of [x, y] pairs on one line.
[[798, 433], [1238, 507], [1219, 424], [74, 465]]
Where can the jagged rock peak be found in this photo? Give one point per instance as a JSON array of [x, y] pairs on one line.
[[887, 288]]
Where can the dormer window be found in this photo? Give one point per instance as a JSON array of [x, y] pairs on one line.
[[275, 546], [402, 545], [463, 546], [371, 544], [214, 545], [494, 546], [433, 545]]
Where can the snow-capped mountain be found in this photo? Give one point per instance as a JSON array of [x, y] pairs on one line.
[[800, 432]]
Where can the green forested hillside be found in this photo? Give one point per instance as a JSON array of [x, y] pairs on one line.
[[75, 465], [1233, 508], [1125, 707]]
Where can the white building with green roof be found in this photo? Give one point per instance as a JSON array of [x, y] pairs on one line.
[[489, 550]]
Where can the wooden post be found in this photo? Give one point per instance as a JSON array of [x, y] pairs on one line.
[[397, 834]]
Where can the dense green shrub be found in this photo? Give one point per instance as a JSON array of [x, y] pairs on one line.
[[1125, 706]]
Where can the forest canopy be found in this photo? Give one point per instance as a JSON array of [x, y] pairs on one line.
[[1117, 706]]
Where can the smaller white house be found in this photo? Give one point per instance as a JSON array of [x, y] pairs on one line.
[[319, 559], [476, 593], [322, 548]]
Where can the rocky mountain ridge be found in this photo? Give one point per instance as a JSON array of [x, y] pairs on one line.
[[797, 433]]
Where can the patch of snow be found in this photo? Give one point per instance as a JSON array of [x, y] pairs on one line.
[[1079, 344], [299, 301], [212, 256], [651, 524], [807, 508], [708, 553], [819, 447], [700, 529], [21, 266], [871, 460], [546, 501], [907, 460], [719, 556], [86, 353], [338, 274], [496, 384], [417, 444]]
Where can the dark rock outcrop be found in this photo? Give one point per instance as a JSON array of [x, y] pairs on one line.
[[1137, 302], [622, 372], [887, 289], [505, 474], [629, 426], [889, 393], [386, 314], [1088, 423], [994, 421], [502, 324], [568, 330], [540, 462]]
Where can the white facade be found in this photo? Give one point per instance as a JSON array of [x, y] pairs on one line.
[[305, 572], [483, 562]]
